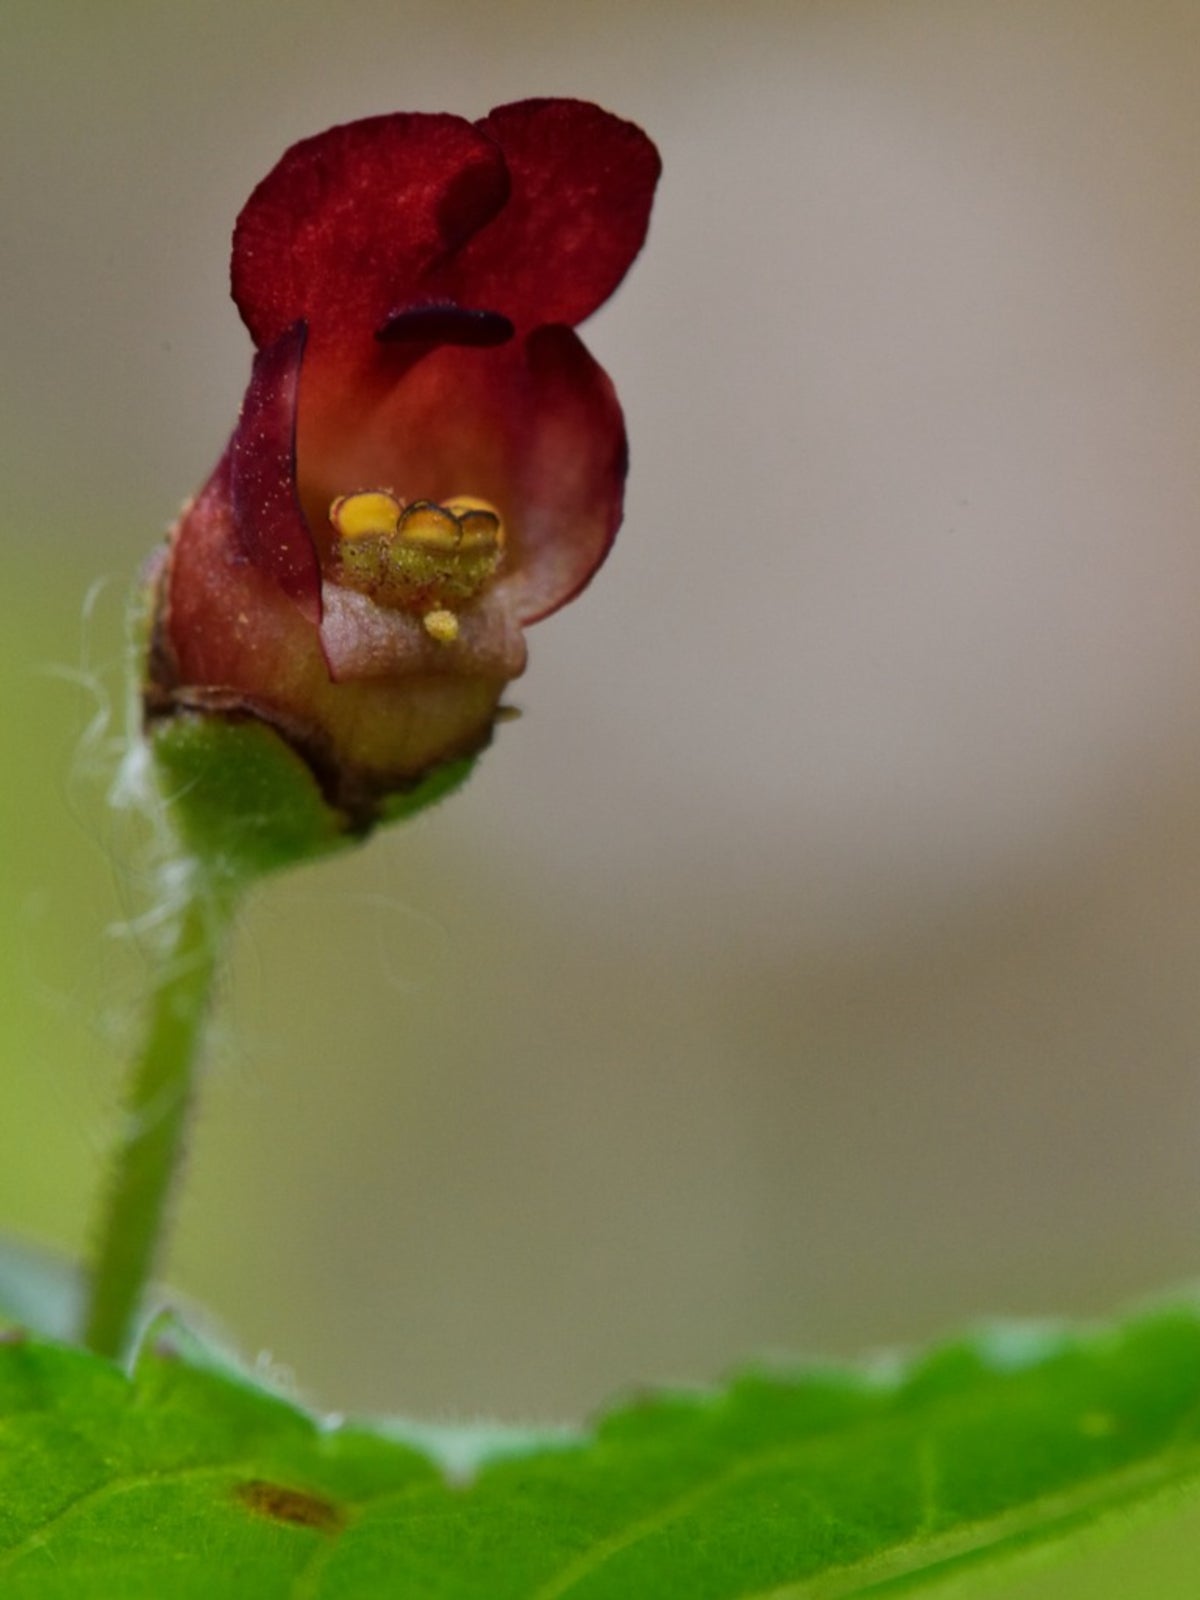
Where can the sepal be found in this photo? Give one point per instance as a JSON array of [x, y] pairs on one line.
[[245, 804]]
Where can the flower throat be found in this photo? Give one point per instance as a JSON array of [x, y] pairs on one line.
[[426, 558]]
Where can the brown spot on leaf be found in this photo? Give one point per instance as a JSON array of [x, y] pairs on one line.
[[295, 1506], [14, 1336]]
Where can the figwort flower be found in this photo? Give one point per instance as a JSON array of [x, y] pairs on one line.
[[427, 457]]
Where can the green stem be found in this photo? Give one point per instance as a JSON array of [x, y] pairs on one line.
[[150, 1148]]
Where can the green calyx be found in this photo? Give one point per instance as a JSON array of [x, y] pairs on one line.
[[245, 804]]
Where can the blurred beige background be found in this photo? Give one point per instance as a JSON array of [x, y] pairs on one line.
[[815, 964]]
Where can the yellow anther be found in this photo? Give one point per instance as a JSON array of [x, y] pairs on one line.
[[479, 521], [372, 515], [441, 625], [426, 523], [460, 504]]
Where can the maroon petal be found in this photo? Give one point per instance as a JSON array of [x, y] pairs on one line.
[[343, 229], [582, 186], [227, 626], [262, 467], [571, 469]]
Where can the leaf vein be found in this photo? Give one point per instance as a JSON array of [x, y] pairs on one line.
[[598, 1555]]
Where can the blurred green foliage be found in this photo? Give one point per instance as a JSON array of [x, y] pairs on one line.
[[65, 982]]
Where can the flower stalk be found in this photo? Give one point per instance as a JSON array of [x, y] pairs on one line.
[[160, 1095], [242, 806]]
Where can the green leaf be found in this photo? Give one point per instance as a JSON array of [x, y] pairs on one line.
[[190, 1480]]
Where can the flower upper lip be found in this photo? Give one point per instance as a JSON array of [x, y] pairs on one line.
[[535, 212]]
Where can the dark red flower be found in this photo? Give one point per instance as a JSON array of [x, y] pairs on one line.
[[427, 457]]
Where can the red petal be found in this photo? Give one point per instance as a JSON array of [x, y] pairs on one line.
[[533, 427], [344, 229], [582, 186], [262, 467], [228, 625], [571, 470]]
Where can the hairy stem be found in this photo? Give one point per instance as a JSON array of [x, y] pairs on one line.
[[150, 1146]]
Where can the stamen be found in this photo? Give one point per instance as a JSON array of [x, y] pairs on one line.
[[374, 514], [423, 558], [480, 522], [425, 522]]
